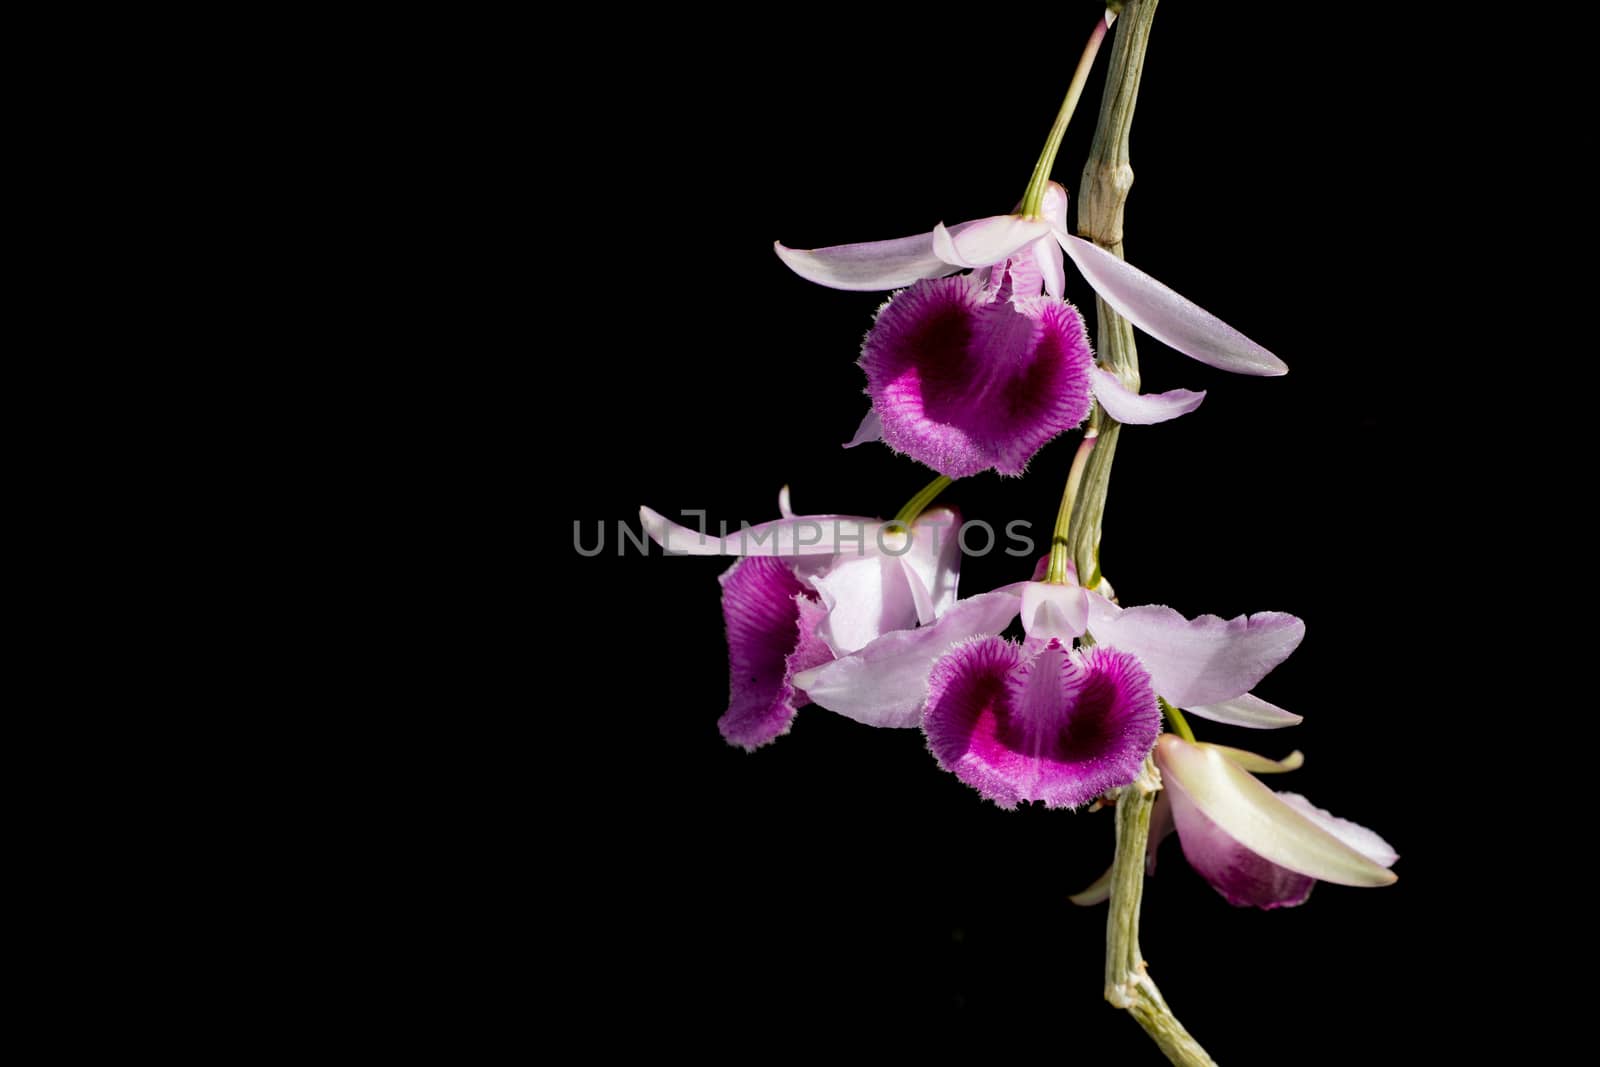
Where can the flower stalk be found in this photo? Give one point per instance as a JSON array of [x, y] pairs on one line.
[[1034, 197], [919, 503], [1060, 540], [1102, 197]]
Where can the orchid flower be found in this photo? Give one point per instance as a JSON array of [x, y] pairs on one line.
[[1040, 721], [1256, 847], [844, 611], [980, 371]]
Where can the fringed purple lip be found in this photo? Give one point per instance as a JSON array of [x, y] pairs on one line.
[[963, 380], [1046, 723], [771, 621]]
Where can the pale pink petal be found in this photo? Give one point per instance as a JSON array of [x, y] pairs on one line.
[[783, 503], [1054, 611], [932, 562], [871, 429], [885, 683], [1053, 207], [869, 267], [866, 597], [984, 242], [1046, 253], [1248, 711], [1165, 315], [1202, 661], [1141, 409], [1103, 613]]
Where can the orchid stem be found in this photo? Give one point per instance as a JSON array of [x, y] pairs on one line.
[[1034, 197], [919, 503], [1102, 194], [1128, 983], [1060, 543]]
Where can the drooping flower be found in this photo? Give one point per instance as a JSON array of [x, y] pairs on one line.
[[979, 371], [843, 611], [1256, 847]]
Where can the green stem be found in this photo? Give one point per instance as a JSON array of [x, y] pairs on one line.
[[1034, 197], [1107, 177], [1175, 719], [1060, 542], [919, 503], [1128, 982]]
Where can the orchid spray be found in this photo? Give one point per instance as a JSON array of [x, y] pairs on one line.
[[975, 362]]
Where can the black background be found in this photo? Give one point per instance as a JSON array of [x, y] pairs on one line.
[[837, 882]]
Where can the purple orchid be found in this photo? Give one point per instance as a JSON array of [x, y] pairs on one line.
[[846, 612], [981, 370], [1256, 847], [1040, 721]]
